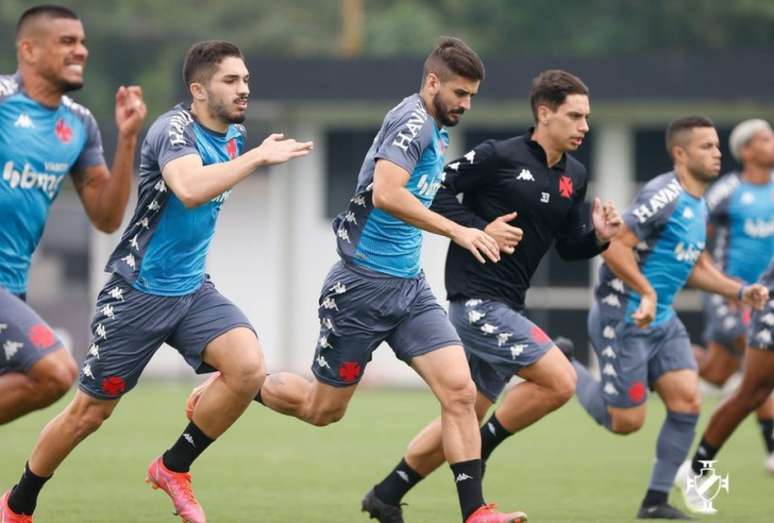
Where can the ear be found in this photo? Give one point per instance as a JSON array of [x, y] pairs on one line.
[[26, 50], [198, 92], [432, 83], [543, 113]]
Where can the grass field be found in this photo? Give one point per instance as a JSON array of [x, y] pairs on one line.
[[269, 468]]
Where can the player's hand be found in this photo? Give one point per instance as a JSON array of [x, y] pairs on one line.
[[606, 219], [478, 242], [755, 295], [507, 236], [276, 149], [130, 110], [646, 312]]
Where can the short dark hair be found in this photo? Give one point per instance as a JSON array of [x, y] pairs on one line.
[[453, 56], [678, 129], [47, 10], [552, 87], [203, 59]]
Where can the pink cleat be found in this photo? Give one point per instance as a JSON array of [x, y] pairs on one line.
[[178, 486], [9, 516], [489, 514], [193, 398]]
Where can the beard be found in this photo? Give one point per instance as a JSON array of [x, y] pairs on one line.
[[62, 85], [444, 115], [219, 110]]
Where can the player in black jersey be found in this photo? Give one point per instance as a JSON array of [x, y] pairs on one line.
[[527, 192]]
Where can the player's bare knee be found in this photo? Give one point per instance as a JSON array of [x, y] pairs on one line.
[[324, 417], [90, 417], [626, 424], [248, 376], [55, 382], [563, 388], [459, 396]]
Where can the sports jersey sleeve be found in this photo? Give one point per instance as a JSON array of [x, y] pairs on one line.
[[576, 239], [406, 138], [647, 214], [473, 171], [92, 153], [172, 138], [718, 197]]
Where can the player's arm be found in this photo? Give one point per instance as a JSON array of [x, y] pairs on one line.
[[105, 193], [469, 173], [707, 277], [576, 240], [391, 195], [620, 258], [195, 184]]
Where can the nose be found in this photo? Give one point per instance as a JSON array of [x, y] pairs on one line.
[[465, 103], [81, 50], [584, 126], [244, 88]]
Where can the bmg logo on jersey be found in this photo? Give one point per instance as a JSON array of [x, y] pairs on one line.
[[687, 252], [30, 179]]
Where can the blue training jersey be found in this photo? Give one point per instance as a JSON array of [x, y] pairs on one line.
[[164, 248], [671, 226], [39, 145], [373, 238], [742, 215]]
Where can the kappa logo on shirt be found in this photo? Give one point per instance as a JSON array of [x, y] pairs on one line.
[[526, 176], [24, 121]]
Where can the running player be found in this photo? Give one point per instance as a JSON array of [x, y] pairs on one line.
[[44, 135], [742, 226], [377, 292], [638, 338], [757, 386], [191, 159], [536, 181]]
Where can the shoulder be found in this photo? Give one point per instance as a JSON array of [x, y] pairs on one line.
[[410, 118], [658, 197], [722, 189], [175, 123], [9, 85], [576, 168], [80, 111]]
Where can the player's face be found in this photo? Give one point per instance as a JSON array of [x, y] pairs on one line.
[[760, 149], [60, 53], [228, 91], [568, 125], [702, 153], [452, 98]]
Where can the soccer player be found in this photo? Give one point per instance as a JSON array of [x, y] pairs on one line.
[[377, 291], [742, 225], [44, 135], [638, 338], [757, 386], [191, 159], [541, 188]]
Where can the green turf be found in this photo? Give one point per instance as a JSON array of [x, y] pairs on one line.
[[269, 468]]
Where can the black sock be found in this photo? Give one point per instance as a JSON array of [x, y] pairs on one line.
[[186, 449], [704, 452], [467, 478], [492, 434], [767, 430], [393, 487], [654, 497], [24, 496]]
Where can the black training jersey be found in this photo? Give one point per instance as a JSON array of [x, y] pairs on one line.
[[497, 178]]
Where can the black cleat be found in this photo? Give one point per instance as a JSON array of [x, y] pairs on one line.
[[661, 511], [381, 511], [566, 346]]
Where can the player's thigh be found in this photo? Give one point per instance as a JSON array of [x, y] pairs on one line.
[[679, 389], [446, 372], [719, 363], [215, 334], [26, 340], [552, 371], [759, 368], [672, 368], [127, 329], [329, 400]]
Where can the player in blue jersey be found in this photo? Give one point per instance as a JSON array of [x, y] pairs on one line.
[[44, 135], [191, 158], [377, 291], [638, 338], [756, 387], [741, 230]]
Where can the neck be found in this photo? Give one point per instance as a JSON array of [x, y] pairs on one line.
[[553, 153], [40, 90], [429, 107], [203, 116], [692, 185], [756, 174]]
